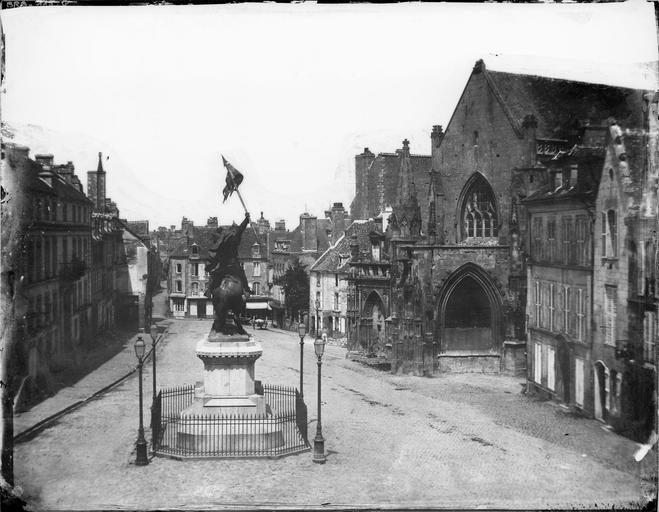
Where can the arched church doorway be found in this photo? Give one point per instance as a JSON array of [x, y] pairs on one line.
[[468, 320], [372, 323], [470, 312]]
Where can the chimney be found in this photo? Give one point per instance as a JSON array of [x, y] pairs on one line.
[[45, 160], [338, 220], [354, 248], [309, 229], [212, 222], [280, 225], [529, 125], [437, 135], [263, 225], [15, 152], [362, 163], [186, 226]]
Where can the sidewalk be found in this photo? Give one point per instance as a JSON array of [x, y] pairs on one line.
[[109, 372]]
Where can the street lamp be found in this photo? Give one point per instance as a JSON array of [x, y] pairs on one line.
[[301, 330], [319, 442], [154, 340], [141, 459]]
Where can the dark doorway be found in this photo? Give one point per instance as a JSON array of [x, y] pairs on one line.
[[468, 319], [564, 368], [601, 391], [201, 309], [372, 323]]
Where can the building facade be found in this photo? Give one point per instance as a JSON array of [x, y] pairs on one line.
[[329, 286], [107, 258], [188, 278], [624, 290], [560, 276], [457, 248]]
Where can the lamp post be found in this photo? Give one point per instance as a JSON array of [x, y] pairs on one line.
[[301, 330], [154, 340], [319, 442], [317, 317], [141, 459]]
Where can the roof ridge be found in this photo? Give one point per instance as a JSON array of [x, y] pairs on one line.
[[565, 80]]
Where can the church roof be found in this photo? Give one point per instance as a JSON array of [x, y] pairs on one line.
[[558, 103]]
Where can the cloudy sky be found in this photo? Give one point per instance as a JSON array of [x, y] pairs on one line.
[[288, 93]]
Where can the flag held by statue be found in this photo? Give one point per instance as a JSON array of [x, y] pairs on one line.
[[233, 180]]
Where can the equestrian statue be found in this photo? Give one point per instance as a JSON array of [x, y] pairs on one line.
[[228, 288]]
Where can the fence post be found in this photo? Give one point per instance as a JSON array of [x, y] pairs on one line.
[[156, 421]]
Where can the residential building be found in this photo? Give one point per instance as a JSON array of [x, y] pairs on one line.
[[107, 252], [54, 262], [306, 243], [560, 272], [188, 277], [624, 290], [329, 283]]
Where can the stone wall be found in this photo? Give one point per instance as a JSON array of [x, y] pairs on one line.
[[481, 139]]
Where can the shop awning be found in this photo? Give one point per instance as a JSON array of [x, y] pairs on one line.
[[258, 305]]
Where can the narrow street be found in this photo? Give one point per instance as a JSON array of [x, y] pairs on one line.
[[463, 440]]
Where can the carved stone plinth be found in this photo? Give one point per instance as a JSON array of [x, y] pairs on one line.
[[228, 392]]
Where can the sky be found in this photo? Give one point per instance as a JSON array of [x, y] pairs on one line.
[[289, 94]]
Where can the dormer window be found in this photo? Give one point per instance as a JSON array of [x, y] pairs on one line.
[[609, 235], [574, 175], [195, 250], [256, 251], [375, 251]]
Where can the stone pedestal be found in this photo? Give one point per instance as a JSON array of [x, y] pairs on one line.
[[229, 375], [227, 414]]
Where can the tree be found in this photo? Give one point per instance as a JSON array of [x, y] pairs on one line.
[[295, 283]]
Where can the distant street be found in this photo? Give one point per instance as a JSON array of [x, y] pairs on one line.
[[463, 440]]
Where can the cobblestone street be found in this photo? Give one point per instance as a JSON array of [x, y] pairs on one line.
[[463, 440]]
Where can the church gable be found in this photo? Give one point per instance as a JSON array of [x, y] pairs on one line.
[[480, 138]]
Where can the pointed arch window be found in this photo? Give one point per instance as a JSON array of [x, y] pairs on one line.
[[479, 215]]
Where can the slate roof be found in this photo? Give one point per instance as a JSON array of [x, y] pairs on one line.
[[205, 237], [330, 260], [558, 103]]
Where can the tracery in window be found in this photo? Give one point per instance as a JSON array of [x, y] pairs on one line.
[[479, 211]]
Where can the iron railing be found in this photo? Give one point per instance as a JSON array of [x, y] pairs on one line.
[[282, 430]]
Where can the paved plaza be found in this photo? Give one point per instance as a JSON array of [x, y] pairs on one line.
[[463, 440]]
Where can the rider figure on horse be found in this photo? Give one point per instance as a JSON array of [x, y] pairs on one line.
[[224, 258]]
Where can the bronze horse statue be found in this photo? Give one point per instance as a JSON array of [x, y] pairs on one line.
[[228, 286], [228, 296]]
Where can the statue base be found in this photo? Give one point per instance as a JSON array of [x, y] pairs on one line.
[[227, 413]]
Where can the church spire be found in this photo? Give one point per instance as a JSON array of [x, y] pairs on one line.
[[100, 162], [408, 213]]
